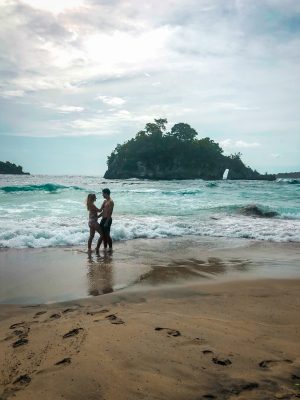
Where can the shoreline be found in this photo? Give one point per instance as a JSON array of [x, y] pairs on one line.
[[233, 340], [50, 275]]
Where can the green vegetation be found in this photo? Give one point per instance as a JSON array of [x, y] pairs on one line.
[[10, 168], [155, 153]]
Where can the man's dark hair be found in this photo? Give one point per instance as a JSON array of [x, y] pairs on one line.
[[106, 190]]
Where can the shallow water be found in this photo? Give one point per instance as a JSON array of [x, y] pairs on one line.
[[45, 211], [29, 276]]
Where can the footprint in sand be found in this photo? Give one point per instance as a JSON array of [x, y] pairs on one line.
[[21, 329], [17, 325], [68, 310], [73, 332], [233, 388], [239, 388], [221, 361], [23, 380], [206, 351], [64, 361], [54, 316], [95, 312], [22, 332], [266, 364], [20, 342], [170, 332], [36, 315], [114, 319]]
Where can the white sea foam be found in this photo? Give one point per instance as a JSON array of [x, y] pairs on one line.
[[47, 232]]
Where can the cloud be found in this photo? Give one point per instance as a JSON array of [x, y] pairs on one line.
[[12, 93], [107, 122], [112, 101], [243, 144], [54, 6], [227, 106], [63, 109], [228, 68], [238, 144]]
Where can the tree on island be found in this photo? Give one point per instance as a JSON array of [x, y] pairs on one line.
[[155, 153], [10, 168]]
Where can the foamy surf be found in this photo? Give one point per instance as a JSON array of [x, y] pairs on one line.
[[38, 211], [53, 231]]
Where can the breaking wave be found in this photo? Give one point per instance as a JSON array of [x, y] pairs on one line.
[[66, 231], [47, 187]]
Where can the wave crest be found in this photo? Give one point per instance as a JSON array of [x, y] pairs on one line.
[[47, 187]]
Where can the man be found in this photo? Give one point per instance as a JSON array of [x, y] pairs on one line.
[[105, 224]]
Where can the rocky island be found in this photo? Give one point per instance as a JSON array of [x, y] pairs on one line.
[[11, 169], [155, 153]]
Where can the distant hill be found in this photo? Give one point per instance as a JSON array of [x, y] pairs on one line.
[[155, 153], [295, 175], [10, 168]]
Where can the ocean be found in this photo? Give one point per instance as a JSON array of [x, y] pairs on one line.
[[49, 211]]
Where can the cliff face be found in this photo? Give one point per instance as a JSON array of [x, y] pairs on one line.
[[157, 172], [156, 154], [12, 169]]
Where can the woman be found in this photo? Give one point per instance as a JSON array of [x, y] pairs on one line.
[[93, 221]]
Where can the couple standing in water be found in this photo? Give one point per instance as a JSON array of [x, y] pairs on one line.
[[103, 228]]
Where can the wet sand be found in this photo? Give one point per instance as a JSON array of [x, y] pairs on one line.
[[32, 276], [194, 320]]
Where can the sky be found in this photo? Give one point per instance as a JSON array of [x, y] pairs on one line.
[[77, 77]]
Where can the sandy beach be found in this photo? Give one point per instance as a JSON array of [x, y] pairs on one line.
[[213, 336]]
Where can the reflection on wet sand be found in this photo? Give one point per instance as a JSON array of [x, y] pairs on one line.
[[101, 270], [192, 268], [100, 274]]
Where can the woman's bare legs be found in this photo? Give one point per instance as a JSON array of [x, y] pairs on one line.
[[92, 234]]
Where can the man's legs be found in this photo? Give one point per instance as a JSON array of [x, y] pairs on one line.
[[109, 240], [107, 234], [100, 240]]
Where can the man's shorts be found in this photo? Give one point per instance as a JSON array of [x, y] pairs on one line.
[[106, 229]]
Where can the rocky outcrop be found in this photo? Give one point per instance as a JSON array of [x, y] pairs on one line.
[[178, 154], [254, 211]]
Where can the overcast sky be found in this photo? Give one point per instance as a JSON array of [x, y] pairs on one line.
[[80, 76]]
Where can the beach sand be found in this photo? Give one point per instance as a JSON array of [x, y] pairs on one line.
[[196, 339]]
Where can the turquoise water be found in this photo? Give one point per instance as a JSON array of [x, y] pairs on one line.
[[43, 211]]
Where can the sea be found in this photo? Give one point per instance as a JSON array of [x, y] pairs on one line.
[[49, 211]]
